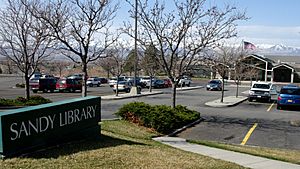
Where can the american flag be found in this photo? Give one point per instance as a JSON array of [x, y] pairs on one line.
[[248, 45]]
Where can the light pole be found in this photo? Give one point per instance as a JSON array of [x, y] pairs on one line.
[[135, 43], [134, 90]]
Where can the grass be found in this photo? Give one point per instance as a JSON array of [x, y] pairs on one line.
[[286, 155], [121, 145]]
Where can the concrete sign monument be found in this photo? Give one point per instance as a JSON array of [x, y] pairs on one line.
[[27, 129]]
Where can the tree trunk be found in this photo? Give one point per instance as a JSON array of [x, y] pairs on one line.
[[27, 87], [173, 95], [150, 86], [222, 96], [237, 90], [117, 85], [84, 79]]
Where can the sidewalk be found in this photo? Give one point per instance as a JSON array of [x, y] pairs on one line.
[[235, 157], [227, 101], [129, 95], [146, 93]]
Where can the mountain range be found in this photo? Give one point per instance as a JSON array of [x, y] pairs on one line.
[[278, 49]]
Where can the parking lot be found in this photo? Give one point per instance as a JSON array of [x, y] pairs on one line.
[[274, 128]]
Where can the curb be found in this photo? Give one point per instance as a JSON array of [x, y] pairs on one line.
[[113, 97], [185, 127], [219, 105], [189, 88]]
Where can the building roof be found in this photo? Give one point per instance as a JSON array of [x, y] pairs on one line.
[[284, 59]]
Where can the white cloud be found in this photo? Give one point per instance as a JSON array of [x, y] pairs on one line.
[[259, 34]]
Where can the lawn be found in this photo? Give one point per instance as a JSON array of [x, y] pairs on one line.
[[121, 145]]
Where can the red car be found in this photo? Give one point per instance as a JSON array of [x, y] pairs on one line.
[[70, 85], [168, 83]]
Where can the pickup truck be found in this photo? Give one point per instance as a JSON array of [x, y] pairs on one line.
[[263, 91], [185, 81]]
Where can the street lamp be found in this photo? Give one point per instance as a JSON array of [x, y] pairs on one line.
[[134, 90]]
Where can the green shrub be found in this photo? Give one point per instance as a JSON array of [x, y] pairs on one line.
[[21, 101], [162, 118], [134, 111], [20, 85], [6, 102]]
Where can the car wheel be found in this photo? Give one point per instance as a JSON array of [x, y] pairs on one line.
[[34, 91], [279, 107], [188, 85], [71, 90], [183, 84], [98, 85], [250, 99]]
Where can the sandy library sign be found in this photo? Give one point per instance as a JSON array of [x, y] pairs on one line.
[[27, 129]]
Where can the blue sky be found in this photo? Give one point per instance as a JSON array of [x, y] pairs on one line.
[[271, 21]]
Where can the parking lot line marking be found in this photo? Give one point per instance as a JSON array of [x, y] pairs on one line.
[[249, 134], [271, 106]]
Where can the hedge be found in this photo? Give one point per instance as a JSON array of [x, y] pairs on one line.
[[21, 101], [162, 118]]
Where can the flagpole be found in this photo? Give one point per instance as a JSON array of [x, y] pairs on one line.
[[243, 45]]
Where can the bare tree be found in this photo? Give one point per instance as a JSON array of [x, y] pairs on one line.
[[221, 60], [181, 35], [9, 65], [150, 63], [106, 65], [24, 40], [81, 26], [117, 58], [237, 67]]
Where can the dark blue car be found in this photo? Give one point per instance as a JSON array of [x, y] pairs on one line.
[[289, 97]]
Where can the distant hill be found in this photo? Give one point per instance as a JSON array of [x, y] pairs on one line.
[[278, 49]]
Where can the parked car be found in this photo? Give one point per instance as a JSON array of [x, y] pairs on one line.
[[214, 85], [167, 82], [43, 84], [35, 75], [123, 86], [146, 79], [69, 84], [138, 83], [103, 80], [93, 81], [185, 81], [157, 83], [75, 76], [112, 81], [263, 91], [289, 96]]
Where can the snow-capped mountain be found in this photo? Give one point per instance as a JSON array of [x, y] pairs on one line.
[[278, 49]]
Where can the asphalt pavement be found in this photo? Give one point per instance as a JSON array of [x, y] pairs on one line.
[[235, 157]]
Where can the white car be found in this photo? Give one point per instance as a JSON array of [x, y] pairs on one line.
[[263, 91], [185, 81], [93, 81], [123, 86], [112, 81], [146, 80]]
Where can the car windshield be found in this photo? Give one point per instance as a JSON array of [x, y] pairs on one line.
[[290, 91], [261, 86], [214, 82], [122, 82]]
